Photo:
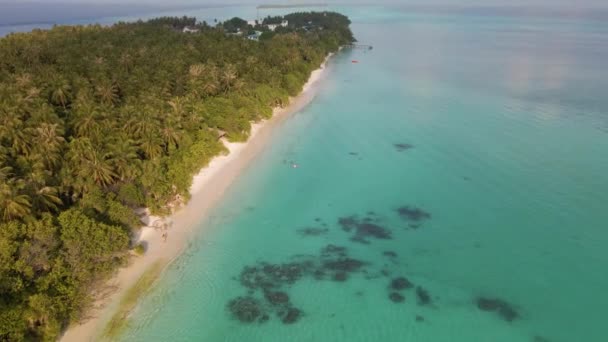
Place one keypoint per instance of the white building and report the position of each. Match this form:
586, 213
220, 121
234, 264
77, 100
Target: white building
273, 27
189, 29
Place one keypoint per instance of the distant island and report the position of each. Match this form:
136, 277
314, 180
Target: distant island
97, 122
315, 4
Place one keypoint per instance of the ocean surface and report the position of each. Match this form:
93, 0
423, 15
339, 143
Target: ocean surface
452, 186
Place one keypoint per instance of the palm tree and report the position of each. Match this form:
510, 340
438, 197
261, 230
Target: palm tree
23, 81
197, 70
46, 198
210, 87
170, 134
60, 93
229, 75
89, 163
108, 93
124, 158
151, 145
49, 141
5, 172
99, 168
13, 204
86, 120
13, 129
239, 85
178, 109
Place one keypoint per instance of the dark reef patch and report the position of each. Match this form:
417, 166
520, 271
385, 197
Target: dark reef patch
363, 229
400, 147
344, 265
423, 295
340, 276
276, 297
390, 254
312, 231
333, 250
270, 280
396, 297
319, 274
503, 308
401, 283
246, 309
413, 214
291, 315
267, 276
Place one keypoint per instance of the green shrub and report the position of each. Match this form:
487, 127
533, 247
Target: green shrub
139, 249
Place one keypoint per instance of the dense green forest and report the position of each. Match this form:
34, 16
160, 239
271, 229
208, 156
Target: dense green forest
97, 121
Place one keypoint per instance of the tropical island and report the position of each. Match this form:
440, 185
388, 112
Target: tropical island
97, 122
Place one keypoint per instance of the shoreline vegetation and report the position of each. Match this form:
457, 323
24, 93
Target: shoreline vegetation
110, 316
98, 122
119, 320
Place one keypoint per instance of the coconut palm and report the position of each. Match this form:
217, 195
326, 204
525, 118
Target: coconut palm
46, 198
60, 93
99, 168
228, 76
86, 120
49, 142
151, 145
123, 158
16, 133
13, 203
88, 162
108, 93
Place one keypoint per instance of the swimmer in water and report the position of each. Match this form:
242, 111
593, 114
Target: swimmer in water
294, 165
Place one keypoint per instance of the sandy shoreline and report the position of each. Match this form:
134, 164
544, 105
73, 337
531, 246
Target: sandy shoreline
207, 189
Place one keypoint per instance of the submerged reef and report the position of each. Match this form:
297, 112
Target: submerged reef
501, 307
401, 283
272, 280
413, 214
390, 254
267, 284
423, 295
396, 297
400, 147
246, 309
312, 231
364, 229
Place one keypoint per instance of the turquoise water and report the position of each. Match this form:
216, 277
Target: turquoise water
494, 127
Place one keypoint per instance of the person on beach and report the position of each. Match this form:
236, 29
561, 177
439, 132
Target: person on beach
164, 236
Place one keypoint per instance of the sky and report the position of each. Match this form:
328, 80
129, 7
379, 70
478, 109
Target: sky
550, 3
15, 12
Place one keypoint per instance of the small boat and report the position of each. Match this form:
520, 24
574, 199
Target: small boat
355, 61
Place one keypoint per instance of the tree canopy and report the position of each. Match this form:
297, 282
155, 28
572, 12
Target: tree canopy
97, 121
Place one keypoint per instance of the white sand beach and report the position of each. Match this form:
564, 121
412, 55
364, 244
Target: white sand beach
208, 186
